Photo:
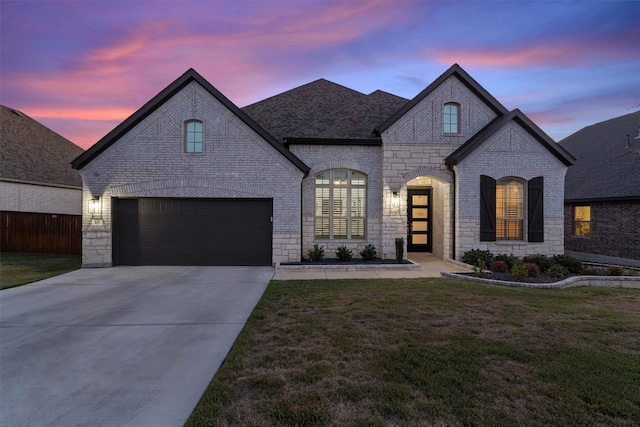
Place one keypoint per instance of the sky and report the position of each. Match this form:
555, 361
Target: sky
82, 67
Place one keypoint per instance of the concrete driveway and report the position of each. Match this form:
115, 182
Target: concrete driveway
124, 346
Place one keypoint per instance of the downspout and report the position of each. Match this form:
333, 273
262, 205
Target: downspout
453, 214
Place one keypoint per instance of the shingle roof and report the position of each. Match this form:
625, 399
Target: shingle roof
324, 110
162, 97
29, 151
606, 168
493, 126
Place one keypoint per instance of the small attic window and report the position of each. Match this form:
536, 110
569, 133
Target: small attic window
193, 136
451, 118
16, 112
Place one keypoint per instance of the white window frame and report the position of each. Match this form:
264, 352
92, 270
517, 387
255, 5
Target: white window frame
197, 142
340, 205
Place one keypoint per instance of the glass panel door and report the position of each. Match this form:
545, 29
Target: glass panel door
419, 221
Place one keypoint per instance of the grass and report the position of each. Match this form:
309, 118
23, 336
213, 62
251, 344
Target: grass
430, 352
21, 268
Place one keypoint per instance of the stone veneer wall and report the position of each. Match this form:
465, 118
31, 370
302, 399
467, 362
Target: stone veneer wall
511, 152
615, 229
416, 146
365, 159
149, 161
23, 197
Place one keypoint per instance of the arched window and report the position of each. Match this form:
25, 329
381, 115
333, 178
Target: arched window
193, 136
451, 118
509, 209
340, 204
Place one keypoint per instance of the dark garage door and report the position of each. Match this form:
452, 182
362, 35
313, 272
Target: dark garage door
154, 231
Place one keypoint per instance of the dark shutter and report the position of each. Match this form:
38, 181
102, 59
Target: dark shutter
487, 209
536, 210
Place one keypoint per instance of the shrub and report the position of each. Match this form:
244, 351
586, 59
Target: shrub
614, 270
344, 254
499, 267
479, 268
590, 271
471, 257
519, 272
532, 269
542, 261
510, 260
368, 253
399, 249
574, 265
557, 271
316, 254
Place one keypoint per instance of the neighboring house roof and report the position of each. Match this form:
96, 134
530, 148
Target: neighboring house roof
456, 71
516, 115
324, 111
31, 152
608, 160
157, 101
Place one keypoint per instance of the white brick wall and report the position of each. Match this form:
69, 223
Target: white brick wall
22, 197
149, 162
365, 159
416, 146
511, 152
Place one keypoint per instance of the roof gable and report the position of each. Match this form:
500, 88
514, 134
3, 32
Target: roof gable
490, 129
454, 71
162, 97
29, 151
607, 165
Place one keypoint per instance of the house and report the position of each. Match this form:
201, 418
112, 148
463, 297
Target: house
602, 191
191, 179
40, 195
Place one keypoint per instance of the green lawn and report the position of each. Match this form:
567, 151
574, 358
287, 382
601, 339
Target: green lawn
431, 352
21, 268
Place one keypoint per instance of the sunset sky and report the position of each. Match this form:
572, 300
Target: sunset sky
82, 67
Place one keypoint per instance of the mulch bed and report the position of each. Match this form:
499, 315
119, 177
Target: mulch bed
359, 261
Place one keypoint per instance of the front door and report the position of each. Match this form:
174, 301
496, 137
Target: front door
419, 221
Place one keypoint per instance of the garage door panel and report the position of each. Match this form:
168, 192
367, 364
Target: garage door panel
193, 231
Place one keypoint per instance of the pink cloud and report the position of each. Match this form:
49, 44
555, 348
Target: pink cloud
107, 83
562, 52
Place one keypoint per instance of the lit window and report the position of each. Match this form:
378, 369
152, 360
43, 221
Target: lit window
193, 137
509, 209
582, 221
340, 204
451, 118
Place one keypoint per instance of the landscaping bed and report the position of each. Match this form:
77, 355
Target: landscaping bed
539, 269
356, 261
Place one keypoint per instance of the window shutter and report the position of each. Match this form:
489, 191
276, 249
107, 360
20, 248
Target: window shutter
487, 209
536, 210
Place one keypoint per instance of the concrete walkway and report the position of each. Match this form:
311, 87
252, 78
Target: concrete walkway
123, 346
427, 265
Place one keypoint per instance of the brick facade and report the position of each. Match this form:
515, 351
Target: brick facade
54, 199
239, 161
615, 229
149, 161
511, 152
365, 159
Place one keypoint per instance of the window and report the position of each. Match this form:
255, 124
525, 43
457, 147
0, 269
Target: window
582, 221
340, 204
193, 137
451, 118
502, 209
509, 209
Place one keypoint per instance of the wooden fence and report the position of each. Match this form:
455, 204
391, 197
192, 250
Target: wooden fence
39, 232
